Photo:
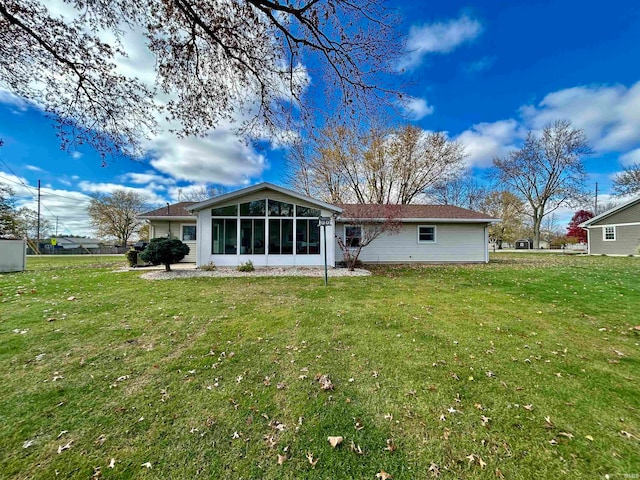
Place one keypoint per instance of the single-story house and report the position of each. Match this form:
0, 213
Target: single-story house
275, 226
174, 221
616, 231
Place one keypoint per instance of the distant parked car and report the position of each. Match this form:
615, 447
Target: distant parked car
139, 246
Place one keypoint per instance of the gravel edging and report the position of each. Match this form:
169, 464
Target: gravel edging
258, 272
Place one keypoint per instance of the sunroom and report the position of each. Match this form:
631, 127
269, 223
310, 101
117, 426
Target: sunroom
265, 224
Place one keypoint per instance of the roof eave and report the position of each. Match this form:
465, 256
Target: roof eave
166, 217
608, 213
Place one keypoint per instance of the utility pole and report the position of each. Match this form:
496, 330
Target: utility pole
595, 208
38, 225
57, 226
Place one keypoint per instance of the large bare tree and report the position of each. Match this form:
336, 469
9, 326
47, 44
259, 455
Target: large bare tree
627, 182
379, 165
547, 172
216, 60
462, 191
114, 215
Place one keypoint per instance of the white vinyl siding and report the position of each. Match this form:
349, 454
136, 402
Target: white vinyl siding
174, 229
457, 242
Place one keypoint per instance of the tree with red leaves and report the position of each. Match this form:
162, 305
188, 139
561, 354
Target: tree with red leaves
573, 230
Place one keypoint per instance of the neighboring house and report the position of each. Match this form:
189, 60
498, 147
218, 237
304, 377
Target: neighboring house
616, 231
275, 226
174, 221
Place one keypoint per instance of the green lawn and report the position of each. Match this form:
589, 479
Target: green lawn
527, 367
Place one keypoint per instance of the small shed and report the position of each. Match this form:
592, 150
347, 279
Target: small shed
523, 244
13, 255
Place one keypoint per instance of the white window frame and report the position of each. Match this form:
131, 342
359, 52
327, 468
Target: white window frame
435, 234
344, 236
604, 234
182, 231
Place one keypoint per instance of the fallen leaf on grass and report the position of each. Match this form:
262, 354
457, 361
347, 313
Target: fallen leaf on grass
311, 460
281, 459
589, 437
528, 407
67, 446
618, 353
548, 423
473, 457
62, 433
627, 434
335, 441
325, 382
485, 420
434, 470
146, 464
567, 435
358, 426
553, 442
356, 448
391, 446
28, 443
382, 475
112, 463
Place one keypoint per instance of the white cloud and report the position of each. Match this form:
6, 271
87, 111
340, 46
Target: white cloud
438, 37
147, 178
218, 158
416, 108
631, 157
66, 208
9, 98
609, 115
148, 193
485, 141
33, 168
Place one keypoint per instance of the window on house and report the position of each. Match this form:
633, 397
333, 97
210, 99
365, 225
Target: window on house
281, 236
224, 236
426, 234
257, 208
307, 212
188, 233
352, 235
280, 209
609, 234
307, 237
228, 211
252, 236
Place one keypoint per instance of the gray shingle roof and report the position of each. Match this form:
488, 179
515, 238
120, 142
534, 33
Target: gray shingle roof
175, 210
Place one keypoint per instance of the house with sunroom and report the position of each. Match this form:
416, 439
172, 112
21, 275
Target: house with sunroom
274, 226
616, 231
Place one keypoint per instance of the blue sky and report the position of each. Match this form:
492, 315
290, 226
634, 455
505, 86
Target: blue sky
484, 72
